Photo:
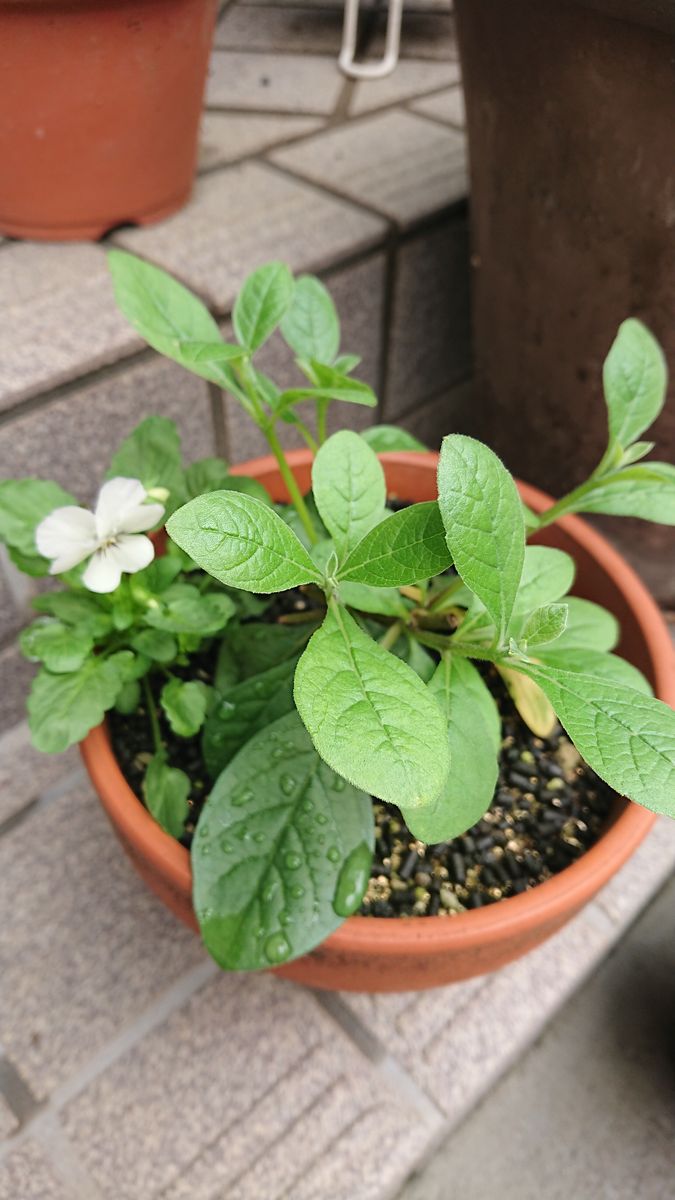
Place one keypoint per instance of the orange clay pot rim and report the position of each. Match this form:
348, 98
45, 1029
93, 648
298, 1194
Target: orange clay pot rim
568, 889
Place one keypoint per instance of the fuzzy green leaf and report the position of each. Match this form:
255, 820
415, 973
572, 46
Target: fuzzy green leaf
311, 326
282, 851
128, 697
331, 385
156, 644
385, 601
384, 438
60, 647
166, 790
244, 709
646, 491
349, 488
626, 737
484, 524
23, 504
474, 735
185, 704
82, 610
261, 303
405, 548
634, 378
152, 454
257, 647
182, 608
242, 542
370, 716
548, 574
588, 625
544, 625
63, 708
595, 662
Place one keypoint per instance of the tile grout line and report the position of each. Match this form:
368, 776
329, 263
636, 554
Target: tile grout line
63, 1157
45, 799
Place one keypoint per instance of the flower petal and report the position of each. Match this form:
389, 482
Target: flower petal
120, 508
67, 535
132, 552
103, 574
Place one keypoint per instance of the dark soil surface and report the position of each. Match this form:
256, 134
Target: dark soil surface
548, 809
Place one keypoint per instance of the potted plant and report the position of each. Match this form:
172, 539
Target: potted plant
100, 114
378, 695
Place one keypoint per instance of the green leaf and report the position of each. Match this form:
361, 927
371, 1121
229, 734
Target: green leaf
247, 707
410, 651
311, 326
165, 791
544, 625
635, 452
626, 737
282, 851
129, 666
242, 542
248, 487
289, 514
128, 697
207, 359
205, 475
23, 504
370, 716
156, 644
155, 579
484, 524
548, 575
646, 491
184, 704
330, 385
634, 378
385, 601
261, 303
184, 609
346, 363
474, 736
63, 708
533, 706
595, 662
405, 548
59, 647
384, 438
152, 454
588, 625
349, 488
258, 646
79, 609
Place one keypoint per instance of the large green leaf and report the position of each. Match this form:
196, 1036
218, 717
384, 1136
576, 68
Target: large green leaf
626, 737
185, 703
152, 454
646, 490
594, 662
405, 548
484, 524
23, 504
349, 488
261, 303
383, 438
182, 608
474, 735
245, 708
634, 377
165, 791
242, 542
83, 610
60, 647
388, 602
63, 708
256, 646
156, 644
548, 574
588, 625
311, 326
282, 851
370, 716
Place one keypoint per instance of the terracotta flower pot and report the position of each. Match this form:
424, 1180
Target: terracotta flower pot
371, 954
100, 111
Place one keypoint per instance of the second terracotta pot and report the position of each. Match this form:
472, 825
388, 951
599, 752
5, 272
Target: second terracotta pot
382, 955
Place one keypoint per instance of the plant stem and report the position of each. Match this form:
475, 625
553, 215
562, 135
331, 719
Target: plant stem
391, 636
289, 479
321, 415
439, 600
152, 713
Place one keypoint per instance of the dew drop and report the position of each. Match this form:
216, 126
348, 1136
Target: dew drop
285, 918
289, 747
277, 948
333, 854
226, 845
243, 797
352, 880
202, 830
297, 891
259, 687
287, 784
307, 805
268, 894
292, 861
339, 784
321, 819
259, 837
278, 753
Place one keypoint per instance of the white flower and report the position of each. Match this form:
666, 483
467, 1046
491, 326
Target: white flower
111, 535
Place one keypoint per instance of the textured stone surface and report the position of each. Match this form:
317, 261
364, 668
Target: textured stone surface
317, 31
88, 947
8, 1122
276, 83
226, 137
402, 165
267, 1084
60, 299
26, 1175
445, 413
226, 230
9, 612
648, 869
411, 78
73, 438
444, 106
25, 773
16, 674
430, 331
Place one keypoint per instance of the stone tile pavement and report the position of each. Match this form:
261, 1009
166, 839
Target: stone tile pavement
131, 1069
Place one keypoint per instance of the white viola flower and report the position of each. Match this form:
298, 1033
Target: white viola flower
112, 537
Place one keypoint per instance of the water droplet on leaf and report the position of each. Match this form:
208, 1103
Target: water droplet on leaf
297, 891
287, 784
243, 797
333, 854
292, 861
277, 948
339, 784
352, 881
226, 845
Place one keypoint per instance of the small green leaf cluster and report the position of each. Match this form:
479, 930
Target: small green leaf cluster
375, 681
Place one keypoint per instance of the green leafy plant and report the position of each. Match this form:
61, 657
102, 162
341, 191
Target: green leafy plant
329, 650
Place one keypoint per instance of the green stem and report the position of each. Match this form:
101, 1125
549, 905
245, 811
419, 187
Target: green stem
290, 481
390, 638
152, 713
321, 417
567, 504
306, 434
439, 600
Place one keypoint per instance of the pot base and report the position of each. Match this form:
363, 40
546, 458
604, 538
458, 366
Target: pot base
92, 231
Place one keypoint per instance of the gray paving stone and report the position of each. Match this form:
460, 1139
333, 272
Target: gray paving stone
412, 77
446, 413
243, 216
8, 1122
267, 1083
402, 165
25, 1174
430, 330
282, 29
16, 674
444, 106
88, 948
26, 774
57, 298
73, 438
10, 616
423, 35
226, 137
358, 293
295, 83
650, 866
